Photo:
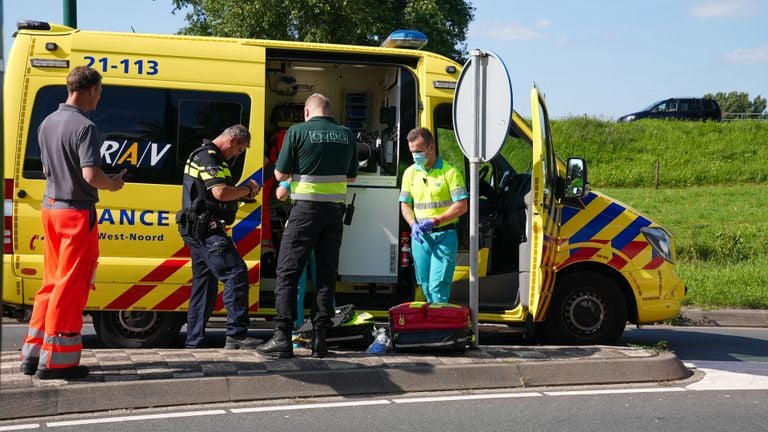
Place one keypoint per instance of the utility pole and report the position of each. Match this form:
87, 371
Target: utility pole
70, 13
2, 141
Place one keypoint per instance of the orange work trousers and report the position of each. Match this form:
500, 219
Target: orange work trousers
71, 249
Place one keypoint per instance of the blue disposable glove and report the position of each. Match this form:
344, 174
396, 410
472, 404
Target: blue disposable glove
427, 226
416, 232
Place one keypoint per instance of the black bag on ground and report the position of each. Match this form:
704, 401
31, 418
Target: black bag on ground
350, 329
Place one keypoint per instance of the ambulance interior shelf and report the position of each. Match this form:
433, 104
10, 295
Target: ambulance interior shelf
374, 149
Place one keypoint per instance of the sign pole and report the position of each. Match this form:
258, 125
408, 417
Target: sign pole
481, 133
474, 206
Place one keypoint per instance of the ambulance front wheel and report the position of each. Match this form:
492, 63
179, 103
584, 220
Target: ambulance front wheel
138, 329
587, 309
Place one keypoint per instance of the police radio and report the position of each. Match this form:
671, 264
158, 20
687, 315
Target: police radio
350, 211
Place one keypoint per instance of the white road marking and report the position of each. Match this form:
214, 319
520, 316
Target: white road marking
730, 375
466, 397
311, 406
614, 391
20, 427
136, 418
718, 375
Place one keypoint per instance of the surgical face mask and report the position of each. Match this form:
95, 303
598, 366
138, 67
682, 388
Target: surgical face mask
419, 158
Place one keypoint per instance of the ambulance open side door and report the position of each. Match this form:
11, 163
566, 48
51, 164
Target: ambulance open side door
542, 212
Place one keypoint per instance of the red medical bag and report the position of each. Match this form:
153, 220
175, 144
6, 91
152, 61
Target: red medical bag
421, 326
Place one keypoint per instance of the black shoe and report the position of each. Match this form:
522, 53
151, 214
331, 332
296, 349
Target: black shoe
201, 346
244, 343
280, 346
29, 368
319, 347
73, 372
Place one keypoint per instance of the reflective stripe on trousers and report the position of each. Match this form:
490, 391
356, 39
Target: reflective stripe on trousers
71, 250
33, 341
61, 351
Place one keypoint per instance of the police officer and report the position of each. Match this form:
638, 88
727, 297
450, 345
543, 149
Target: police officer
209, 203
432, 197
319, 157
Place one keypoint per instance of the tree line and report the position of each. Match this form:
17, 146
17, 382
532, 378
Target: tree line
363, 22
352, 22
738, 102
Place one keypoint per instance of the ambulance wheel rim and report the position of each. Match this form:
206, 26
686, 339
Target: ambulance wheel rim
137, 323
585, 312
587, 308
138, 329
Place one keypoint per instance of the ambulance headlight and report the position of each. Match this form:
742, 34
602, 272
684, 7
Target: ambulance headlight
660, 241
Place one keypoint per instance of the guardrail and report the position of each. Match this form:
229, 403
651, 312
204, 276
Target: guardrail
744, 116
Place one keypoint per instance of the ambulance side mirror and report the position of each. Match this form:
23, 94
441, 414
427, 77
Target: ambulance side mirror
576, 178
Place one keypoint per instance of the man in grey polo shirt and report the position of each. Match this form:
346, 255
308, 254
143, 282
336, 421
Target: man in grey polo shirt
69, 150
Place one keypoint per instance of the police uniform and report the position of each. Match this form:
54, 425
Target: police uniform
320, 156
431, 191
214, 256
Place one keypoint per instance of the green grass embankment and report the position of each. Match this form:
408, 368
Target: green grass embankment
721, 236
688, 153
712, 194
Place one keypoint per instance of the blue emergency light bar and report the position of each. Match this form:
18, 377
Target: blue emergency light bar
410, 39
32, 25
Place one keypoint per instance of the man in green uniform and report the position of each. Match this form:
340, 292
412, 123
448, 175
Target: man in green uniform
319, 158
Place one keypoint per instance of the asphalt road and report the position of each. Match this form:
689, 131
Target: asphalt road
704, 343
733, 395
636, 409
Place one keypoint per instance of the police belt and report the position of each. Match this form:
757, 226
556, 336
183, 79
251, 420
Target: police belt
198, 226
319, 204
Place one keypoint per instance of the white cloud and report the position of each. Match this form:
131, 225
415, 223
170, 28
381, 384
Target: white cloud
724, 9
504, 32
543, 23
749, 55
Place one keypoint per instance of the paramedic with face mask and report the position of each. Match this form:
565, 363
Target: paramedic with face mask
432, 197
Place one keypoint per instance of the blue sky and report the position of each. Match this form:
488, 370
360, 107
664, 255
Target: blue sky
602, 58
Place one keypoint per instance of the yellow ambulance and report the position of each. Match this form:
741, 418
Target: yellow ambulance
555, 255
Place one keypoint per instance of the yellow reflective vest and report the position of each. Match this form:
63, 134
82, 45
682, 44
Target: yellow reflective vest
432, 191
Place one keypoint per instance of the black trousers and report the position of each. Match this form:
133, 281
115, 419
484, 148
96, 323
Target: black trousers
311, 226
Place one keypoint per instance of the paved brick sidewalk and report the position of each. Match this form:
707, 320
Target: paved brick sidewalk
123, 379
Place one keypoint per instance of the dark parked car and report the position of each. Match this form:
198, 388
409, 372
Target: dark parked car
679, 109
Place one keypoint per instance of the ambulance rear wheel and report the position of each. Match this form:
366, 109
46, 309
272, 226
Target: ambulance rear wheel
138, 329
587, 309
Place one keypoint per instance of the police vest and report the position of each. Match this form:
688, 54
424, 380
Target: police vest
199, 196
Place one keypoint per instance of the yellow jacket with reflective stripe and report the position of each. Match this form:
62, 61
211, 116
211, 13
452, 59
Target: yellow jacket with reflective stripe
432, 191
